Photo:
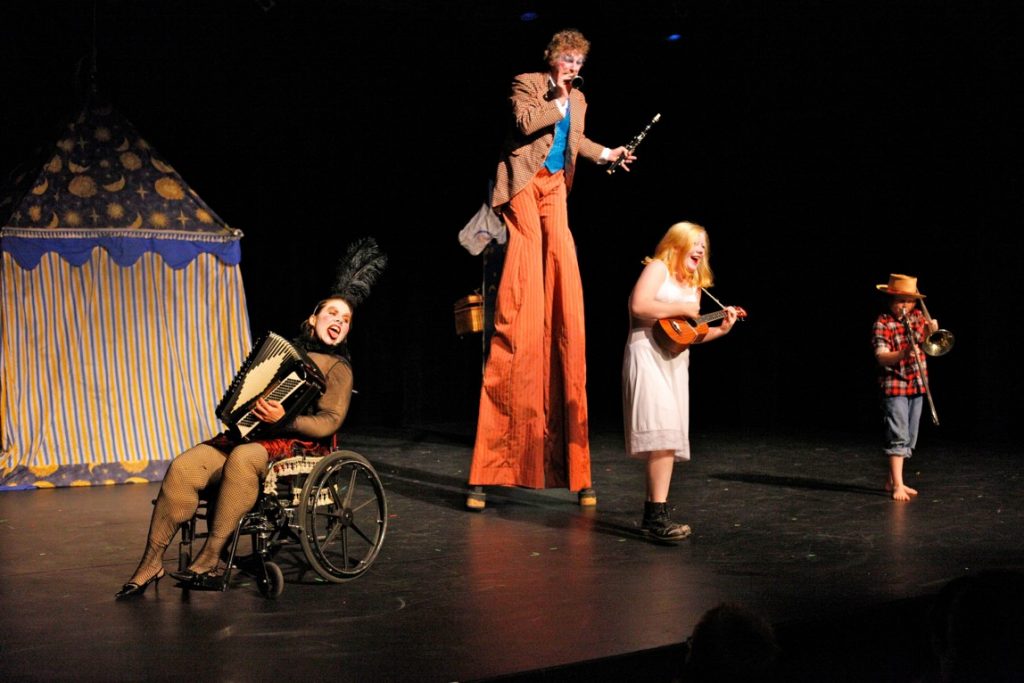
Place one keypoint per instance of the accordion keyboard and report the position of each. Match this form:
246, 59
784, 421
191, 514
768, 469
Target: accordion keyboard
277, 371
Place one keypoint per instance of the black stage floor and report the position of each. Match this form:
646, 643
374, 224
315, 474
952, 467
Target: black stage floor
533, 588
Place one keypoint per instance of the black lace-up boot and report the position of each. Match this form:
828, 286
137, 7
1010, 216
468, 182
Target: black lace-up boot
658, 527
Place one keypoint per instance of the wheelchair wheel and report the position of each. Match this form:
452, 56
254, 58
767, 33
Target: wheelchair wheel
342, 516
273, 585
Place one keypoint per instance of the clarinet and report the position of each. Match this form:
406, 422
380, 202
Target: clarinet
612, 167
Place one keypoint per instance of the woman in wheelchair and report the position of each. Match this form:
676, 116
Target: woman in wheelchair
237, 468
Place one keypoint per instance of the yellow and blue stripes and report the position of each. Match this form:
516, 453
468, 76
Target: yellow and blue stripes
110, 371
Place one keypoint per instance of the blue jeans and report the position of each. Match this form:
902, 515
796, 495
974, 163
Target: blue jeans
902, 415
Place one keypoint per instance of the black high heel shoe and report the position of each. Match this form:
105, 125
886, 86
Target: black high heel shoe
134, 590
183, 575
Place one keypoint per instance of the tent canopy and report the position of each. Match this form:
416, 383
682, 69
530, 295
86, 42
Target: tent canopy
102, 184
123, 310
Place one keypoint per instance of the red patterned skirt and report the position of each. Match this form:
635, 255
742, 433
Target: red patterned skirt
278, 449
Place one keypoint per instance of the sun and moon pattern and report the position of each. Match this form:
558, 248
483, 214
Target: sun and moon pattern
103, 177
101, 474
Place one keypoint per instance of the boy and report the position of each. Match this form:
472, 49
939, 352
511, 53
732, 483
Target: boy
903, 374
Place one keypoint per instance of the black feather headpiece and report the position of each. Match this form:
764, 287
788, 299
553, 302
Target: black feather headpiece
358, 270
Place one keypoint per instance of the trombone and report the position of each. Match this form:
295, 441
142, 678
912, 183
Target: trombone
905, 319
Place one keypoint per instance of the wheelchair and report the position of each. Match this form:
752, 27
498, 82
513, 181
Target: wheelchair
332, 507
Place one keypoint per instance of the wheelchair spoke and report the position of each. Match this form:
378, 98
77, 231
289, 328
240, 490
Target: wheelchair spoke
330, 515
335, 491
368, 501
351, 487
359, 531
332, 533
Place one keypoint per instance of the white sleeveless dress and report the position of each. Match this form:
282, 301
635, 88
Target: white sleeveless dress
656, 386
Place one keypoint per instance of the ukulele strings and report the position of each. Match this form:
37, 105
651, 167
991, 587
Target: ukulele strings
720, 304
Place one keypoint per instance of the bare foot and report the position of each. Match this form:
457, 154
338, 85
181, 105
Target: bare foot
911, 491
902, 493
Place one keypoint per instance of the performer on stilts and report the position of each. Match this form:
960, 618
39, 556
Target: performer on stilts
532, 428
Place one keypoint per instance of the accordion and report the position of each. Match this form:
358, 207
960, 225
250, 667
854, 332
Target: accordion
275, 369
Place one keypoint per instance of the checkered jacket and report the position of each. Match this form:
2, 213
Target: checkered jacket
533, 133
890, 334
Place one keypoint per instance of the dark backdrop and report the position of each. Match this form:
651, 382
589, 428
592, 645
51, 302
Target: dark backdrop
823, 144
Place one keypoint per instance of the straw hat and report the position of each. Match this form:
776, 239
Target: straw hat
901, 285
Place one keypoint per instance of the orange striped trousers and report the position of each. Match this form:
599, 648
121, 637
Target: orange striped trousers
532, 429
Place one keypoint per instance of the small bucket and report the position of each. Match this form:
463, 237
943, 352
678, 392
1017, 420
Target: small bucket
469, 314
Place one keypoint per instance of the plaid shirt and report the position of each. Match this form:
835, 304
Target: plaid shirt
889, 334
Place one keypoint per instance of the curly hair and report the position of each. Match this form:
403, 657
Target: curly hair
568, 40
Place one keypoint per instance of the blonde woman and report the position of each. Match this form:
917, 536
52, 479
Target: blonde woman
655, 376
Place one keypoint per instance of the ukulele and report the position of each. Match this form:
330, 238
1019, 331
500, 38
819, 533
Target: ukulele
674, 335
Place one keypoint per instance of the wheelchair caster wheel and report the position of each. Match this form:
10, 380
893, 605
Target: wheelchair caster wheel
272, 585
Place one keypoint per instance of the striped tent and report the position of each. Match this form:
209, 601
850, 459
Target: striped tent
123, 311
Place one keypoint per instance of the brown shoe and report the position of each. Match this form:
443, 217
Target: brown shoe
476, 499
588, 498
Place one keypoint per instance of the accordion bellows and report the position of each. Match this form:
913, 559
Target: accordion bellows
275, 369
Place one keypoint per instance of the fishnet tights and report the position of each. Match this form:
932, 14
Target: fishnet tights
238, 475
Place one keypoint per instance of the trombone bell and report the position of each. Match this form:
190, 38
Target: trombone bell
938, 343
